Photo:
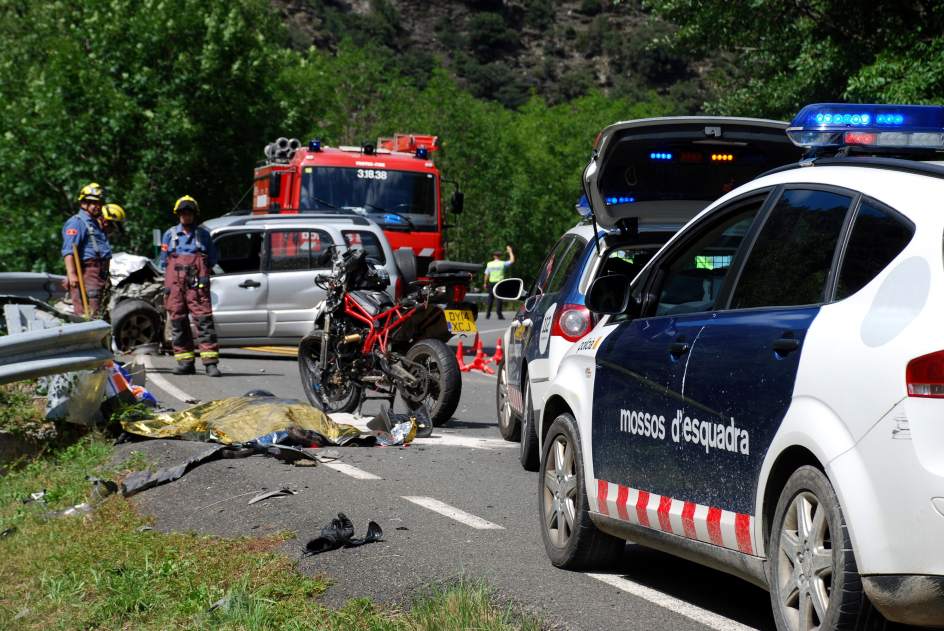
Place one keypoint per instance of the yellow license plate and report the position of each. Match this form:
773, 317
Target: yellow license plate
460, 321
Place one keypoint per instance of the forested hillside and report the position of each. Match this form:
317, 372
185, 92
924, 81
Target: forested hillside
158, 98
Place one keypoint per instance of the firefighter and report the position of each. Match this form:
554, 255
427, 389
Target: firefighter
113, 218
82, 234
187, 256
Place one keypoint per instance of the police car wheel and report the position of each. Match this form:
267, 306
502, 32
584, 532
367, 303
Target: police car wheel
571, 540
814, 580
528, 448
508, 425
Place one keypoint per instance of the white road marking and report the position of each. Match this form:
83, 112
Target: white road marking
455, 440
163, 384
352, 471
453, 513
690, 611
445, 439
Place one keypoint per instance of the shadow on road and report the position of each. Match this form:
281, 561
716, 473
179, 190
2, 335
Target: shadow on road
704, 587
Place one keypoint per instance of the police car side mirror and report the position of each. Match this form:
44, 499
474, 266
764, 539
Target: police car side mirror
509, 289
609, 294
458, 201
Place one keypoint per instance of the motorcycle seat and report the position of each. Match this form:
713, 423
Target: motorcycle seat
451, 267
373, 302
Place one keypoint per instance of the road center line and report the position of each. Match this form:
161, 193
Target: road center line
352, 471
453, 513
692, 612
163, 384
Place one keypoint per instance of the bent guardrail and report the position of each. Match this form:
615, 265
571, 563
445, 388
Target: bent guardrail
69, 347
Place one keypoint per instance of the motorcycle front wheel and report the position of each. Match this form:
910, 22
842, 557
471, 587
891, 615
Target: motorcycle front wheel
445, 384
325, 390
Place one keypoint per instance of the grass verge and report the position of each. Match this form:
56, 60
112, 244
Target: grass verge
106, 570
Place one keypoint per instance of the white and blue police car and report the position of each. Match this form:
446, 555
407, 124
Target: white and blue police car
767, 395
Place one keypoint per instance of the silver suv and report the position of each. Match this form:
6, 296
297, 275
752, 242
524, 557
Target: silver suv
263, 289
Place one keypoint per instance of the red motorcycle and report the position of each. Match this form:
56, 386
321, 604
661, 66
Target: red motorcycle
365, 342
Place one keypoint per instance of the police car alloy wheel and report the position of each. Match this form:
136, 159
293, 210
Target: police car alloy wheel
528, 449
814, 580
571, 540
508, 425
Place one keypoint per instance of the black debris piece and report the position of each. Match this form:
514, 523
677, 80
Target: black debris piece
143, 480
340, 534
279, 493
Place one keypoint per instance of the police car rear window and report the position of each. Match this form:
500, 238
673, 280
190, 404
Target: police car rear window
878, 235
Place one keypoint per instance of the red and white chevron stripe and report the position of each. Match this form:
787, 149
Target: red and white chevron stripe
687, 519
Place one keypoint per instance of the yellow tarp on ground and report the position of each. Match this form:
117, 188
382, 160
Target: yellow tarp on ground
240, 419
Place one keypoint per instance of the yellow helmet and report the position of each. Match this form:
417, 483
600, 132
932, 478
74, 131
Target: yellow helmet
92, 192
113, 212
186, 202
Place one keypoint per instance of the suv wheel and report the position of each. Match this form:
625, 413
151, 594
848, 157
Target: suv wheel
571, 540
528, 448
508, 425
814, 580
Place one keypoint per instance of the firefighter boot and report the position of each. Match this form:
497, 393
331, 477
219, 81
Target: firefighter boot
213, 370
185, 368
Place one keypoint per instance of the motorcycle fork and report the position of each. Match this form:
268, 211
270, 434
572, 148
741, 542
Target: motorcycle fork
325, 338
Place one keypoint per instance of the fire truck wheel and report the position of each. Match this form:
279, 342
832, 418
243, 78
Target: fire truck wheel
445, 384
135, 323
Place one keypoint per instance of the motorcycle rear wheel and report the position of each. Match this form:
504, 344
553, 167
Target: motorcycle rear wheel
445, 383
345, 397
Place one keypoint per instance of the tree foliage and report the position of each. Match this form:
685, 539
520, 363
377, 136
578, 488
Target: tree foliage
786, 53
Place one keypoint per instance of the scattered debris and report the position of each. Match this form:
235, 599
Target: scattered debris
6, 532
143, 480
79, 509
279, 493
38, 496
144, 529
340, 534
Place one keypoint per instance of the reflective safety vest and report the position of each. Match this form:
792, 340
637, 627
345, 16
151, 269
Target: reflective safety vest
495, 270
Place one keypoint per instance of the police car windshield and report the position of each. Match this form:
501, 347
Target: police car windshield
391, 198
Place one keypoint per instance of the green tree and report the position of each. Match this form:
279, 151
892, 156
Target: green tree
786, 53
151, 98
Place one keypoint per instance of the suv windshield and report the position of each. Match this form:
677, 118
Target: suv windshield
391, 198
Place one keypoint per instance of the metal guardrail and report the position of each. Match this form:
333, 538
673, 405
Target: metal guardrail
69, 347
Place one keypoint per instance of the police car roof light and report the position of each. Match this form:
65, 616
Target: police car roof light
835, 125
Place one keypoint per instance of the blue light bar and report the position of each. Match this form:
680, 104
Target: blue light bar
660, 155
879, 126
314, 144
621, 199
422, 153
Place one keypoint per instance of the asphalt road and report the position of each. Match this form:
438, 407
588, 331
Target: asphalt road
464, 467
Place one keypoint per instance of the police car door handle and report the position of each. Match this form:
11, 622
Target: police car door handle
677, 349
249, 283
786, 345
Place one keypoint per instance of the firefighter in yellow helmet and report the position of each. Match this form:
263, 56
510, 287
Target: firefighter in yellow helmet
187, 256
113, 218
82, 234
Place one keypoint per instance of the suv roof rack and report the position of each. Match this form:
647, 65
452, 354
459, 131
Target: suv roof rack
868, 162
324, 217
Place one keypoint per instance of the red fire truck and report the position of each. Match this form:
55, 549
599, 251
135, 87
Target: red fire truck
394, 183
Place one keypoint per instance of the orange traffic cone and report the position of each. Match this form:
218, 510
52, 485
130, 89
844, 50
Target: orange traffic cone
499, 355
460, 358
480, 361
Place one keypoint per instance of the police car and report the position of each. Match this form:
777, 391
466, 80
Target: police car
666, 170
765, 397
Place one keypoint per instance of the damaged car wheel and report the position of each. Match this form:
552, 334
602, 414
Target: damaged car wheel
135, 323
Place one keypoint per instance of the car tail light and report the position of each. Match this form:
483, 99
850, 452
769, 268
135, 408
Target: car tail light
925, 376
572, 322
458, 293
